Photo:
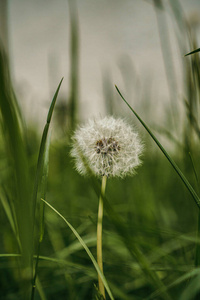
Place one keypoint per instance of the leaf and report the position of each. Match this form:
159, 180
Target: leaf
17, 158
42, 149
86, 249
176, 168
194, 51
41, 178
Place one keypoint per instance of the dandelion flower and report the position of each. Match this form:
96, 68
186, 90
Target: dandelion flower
108, 147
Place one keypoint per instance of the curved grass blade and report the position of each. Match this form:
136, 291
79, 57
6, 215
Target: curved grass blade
42, 168
4, 255
42, 149
176, 168
16, 157
86, 249
194, 51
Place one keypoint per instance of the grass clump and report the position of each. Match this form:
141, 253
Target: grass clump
151, 228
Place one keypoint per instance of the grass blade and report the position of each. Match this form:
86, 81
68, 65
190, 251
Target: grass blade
176, 168
42, 149
42, 206
16, 157
86, 249
194, 51
42, 168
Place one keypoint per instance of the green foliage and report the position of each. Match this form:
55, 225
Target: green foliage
150, 244
16, 185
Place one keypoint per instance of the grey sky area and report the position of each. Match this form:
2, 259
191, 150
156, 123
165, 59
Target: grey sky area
119, 41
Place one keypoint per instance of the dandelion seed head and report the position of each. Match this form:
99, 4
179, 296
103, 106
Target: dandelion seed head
107, 147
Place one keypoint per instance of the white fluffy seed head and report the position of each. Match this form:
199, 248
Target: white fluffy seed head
107, 147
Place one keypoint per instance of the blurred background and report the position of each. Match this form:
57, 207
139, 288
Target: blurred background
150, 249
117, 43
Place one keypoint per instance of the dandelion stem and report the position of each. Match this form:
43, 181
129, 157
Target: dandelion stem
99, 234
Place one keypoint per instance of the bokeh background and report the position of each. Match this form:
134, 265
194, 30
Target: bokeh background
117, 42
150, 245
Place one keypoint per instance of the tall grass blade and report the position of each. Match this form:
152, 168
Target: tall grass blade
86, 249
40, 162
41, 169
176, 168
42, 207
192, 52
19, 177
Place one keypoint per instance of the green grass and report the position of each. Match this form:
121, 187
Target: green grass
151, 226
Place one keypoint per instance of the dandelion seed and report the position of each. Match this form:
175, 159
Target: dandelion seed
108, 147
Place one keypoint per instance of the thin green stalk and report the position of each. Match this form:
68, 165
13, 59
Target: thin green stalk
42, 209
17, 160
41, 170
41, 152
99, 234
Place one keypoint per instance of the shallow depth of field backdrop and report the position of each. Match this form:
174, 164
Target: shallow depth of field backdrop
150, 227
